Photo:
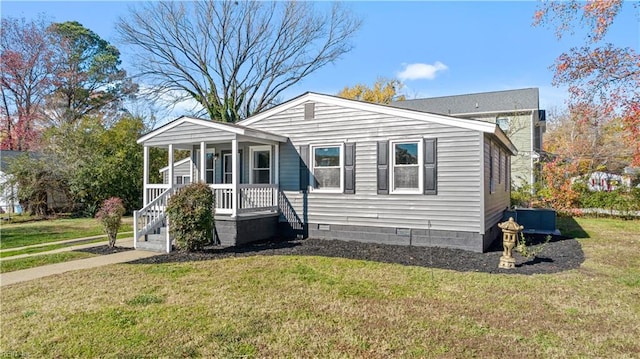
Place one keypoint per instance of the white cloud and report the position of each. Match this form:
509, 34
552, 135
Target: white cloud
421, 71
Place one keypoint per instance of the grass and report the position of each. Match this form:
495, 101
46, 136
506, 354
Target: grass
36, 261
295, 306
50, 247
29, 233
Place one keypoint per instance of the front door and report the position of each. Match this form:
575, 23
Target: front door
227, 166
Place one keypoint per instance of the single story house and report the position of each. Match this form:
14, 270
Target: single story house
326, 167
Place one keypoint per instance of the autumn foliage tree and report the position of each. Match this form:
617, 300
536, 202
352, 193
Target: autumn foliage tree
600, 75
26, 69
584, 136
383, 91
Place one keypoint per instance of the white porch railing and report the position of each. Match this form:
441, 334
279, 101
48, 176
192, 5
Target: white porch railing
253, 197
257, 197
154, 191
223, 197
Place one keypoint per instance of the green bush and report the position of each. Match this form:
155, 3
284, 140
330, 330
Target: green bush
622, 200
190, 213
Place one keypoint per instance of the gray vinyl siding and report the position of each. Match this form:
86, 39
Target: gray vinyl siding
181, 170
457, 205
520, 133
289, 172
189, 133
498, 201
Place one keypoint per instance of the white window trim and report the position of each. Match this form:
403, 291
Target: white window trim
253, 149
392, 164
182, 178
312, 149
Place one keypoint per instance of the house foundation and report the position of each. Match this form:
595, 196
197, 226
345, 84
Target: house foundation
245, 228
475, 242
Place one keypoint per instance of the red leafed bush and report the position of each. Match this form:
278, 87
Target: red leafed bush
110, 215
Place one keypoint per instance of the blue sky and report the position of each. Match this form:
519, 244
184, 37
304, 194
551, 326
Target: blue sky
436, 48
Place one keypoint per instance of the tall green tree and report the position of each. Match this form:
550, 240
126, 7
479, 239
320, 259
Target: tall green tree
88, 78
234, 58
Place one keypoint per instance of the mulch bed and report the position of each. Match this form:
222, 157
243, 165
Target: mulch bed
104, 249
560, 254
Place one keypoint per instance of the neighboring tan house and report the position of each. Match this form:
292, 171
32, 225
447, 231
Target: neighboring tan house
326, 167
517, 112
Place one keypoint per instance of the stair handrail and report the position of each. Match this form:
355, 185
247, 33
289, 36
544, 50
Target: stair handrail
144, 211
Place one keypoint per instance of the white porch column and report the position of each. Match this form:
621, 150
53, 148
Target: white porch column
276, 163
170, 155
203, 162
234, 177
192, 161
145, 176
276, 175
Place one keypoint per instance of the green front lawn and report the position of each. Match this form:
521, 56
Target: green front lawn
37, 261
295, 306
50, 247
23, 234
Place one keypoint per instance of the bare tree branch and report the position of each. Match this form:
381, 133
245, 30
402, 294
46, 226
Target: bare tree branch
234, 58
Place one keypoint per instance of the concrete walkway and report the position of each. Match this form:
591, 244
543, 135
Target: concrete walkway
66, 241
57, 268
123, 242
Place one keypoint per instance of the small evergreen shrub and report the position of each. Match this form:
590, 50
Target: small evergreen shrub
190, 213
110, 216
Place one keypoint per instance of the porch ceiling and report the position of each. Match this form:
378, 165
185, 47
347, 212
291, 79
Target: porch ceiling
186, 131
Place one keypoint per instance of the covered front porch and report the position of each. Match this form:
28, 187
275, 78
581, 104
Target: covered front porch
239, 164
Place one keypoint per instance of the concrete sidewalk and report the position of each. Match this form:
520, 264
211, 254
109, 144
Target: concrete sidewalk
124, 242
66, 241
51, 269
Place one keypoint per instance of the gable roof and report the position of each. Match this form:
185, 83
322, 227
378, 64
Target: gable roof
471, 124
496, 101
230, 128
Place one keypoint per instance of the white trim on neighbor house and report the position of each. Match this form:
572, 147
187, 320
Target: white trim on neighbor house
312, 168
470, 124
392, 166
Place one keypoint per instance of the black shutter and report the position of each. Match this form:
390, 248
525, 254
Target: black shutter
350, 168
430, 166
304, 169
383, 167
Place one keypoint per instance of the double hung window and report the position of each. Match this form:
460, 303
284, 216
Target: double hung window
261, 164
406, 162
327, 167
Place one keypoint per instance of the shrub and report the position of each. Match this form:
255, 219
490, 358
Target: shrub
110, 215
190, 213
